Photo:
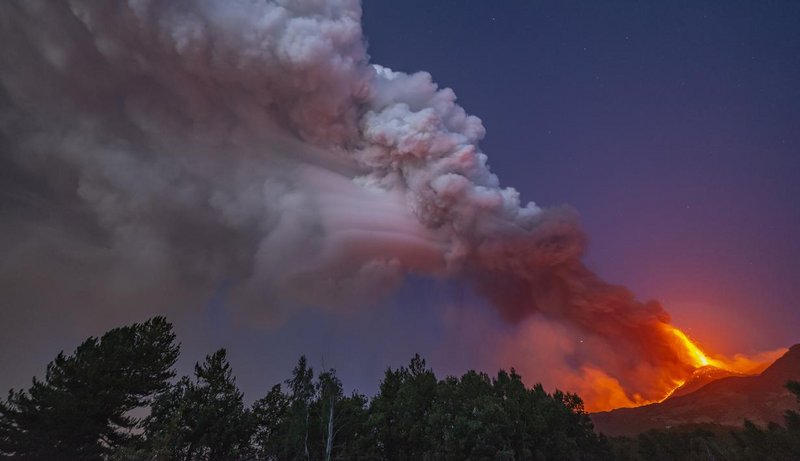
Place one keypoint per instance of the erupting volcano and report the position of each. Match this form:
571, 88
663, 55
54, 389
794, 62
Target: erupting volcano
708, 368
691, 369
253, 145
681, 366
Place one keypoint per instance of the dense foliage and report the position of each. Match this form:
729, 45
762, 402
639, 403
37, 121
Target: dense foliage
84, 409
81, 410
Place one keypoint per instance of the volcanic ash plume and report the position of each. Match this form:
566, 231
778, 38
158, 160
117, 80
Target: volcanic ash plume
165, 147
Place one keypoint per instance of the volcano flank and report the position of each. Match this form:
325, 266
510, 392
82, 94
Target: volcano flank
715, 396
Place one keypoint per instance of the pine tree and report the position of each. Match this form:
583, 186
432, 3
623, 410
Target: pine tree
271, 420
399, 413
81, 410
204, 419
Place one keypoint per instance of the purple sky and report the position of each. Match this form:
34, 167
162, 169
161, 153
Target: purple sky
673, 130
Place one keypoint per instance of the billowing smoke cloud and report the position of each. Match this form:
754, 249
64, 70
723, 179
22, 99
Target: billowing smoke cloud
153, 150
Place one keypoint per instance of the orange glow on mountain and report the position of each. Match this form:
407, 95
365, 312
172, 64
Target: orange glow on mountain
602, 391
646, 364
698, 358
739, 363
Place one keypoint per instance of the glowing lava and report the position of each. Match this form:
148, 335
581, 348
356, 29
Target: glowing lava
739, 364
601, 389
697, 356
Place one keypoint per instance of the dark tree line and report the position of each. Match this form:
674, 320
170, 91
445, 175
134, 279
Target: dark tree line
117, 398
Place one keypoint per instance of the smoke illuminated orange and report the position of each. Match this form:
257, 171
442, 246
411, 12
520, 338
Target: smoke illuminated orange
739, 364
602, 391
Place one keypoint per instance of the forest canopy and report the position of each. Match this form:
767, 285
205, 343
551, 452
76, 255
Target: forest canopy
85, 407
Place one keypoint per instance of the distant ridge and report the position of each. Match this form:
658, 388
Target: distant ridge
725, 400
701, 377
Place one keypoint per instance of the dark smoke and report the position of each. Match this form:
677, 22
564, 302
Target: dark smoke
152, 150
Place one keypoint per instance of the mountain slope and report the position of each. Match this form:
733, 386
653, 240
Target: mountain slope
728, 401
700, 378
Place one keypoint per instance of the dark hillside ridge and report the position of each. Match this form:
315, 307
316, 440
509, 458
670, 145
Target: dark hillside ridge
726, 401
700, 378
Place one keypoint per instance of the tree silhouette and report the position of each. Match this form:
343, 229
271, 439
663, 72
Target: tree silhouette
81, 410
204, 419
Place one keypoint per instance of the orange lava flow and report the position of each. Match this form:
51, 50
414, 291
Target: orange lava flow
602, 390
698, 359
692, 351
739, 363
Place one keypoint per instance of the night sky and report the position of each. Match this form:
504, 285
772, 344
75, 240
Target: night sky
672, 127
